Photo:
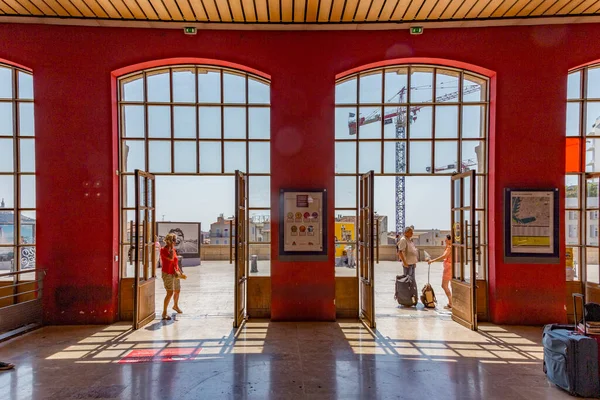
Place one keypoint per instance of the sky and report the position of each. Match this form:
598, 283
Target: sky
204, 198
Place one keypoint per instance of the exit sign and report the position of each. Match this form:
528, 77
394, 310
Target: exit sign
189, 30
416, 30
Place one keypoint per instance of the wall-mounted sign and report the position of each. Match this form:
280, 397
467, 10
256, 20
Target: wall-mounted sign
531, 231
303, 224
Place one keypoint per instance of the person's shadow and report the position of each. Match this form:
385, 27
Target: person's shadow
162, 322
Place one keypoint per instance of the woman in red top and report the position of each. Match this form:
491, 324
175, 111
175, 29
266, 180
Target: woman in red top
447, 275
170, 272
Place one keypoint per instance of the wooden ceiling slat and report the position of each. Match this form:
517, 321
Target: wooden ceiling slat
349, 10
249, 13
439, 8
122, 8
570, 7
262, 11
362, 9
136, 10
31, 8
58, 9
236, 10
388, 9
336, 11
173, 9
43, 7
413, 9
186, 10
71, 9
299, 9
557, 8
529, 7
325, 10
593, 9
518, 6
211, 10
466, 8
147, 8
287, 10
6, 9
583, 6
451, 10
108, 7
18, 7
312, 8
375, 10
503, 8
96, 9
83, 7
490, 8
543, 7
425, 10
274, 11
160, 9
224, 11
198, 10
400, 10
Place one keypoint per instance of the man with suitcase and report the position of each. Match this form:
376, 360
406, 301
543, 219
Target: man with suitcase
407, 251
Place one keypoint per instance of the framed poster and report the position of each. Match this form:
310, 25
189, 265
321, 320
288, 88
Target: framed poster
303, 225
188, 238
531, 225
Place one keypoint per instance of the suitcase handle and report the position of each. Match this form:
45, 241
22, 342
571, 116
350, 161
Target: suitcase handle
575, 296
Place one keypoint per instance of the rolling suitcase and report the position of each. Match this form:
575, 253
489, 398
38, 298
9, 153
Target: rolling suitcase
406, 290
427, 294
590, 324
571, 360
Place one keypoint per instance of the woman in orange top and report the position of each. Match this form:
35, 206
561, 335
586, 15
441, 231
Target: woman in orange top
170, 274
447, 274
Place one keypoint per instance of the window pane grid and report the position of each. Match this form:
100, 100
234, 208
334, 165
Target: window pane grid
362, 120
166, 129
17, 176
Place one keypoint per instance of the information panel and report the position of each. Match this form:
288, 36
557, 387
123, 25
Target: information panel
531, 223
303, 222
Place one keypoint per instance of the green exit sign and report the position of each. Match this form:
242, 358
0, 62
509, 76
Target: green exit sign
416, 30
189, 30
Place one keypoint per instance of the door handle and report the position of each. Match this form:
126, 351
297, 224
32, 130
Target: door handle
377, 241
230, 243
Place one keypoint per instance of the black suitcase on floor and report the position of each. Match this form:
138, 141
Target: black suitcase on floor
571, 360
406, 290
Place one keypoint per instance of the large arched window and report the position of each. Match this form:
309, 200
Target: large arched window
414, 126
191, 126
583, 139
17, 170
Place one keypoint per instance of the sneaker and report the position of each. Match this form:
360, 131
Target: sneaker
6, 366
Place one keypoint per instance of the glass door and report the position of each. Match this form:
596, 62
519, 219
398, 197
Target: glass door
464, 248
590, 273
240, 250
366, 242
143, 240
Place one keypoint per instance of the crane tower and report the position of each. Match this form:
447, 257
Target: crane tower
402, 119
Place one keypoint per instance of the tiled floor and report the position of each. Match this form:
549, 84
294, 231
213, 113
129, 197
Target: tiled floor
413, 354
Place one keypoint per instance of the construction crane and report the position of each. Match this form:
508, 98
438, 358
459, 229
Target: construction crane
401, 121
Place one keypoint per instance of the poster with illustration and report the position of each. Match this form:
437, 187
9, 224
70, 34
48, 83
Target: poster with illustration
303, 222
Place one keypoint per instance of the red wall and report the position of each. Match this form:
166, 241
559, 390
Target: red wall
77, 235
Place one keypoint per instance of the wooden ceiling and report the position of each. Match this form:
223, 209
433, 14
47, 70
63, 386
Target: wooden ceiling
276, 12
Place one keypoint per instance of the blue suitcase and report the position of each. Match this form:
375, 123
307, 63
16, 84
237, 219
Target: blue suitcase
571, 360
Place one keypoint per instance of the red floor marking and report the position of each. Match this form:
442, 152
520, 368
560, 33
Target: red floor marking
160, 355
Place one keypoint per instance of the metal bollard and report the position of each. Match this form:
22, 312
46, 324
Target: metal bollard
253, 263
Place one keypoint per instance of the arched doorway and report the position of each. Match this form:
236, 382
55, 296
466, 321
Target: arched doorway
413, 125
192, 126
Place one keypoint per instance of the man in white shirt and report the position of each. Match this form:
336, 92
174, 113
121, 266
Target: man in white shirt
407, 251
